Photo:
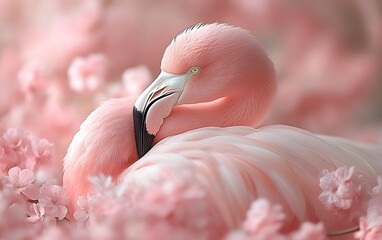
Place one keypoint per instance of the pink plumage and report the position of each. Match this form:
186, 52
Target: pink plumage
218, 82
239, 164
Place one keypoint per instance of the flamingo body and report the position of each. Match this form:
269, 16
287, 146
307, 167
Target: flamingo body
200, 113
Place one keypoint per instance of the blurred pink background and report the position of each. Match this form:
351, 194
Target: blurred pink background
59, 59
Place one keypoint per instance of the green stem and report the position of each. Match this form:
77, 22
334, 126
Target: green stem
343, 232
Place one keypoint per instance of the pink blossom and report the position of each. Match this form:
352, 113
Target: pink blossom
32, 192
173, 200
9, 197
62, 232
54, 199
310, 231
15, 138
81, 215
371, 224
161, 201
262, 216
370, 229
101, 182
242, 235
342, 190
184, 214
42, 150
36, 212
31, 77
87, 74
12, 220
136, 79
263, 222
22, 149
105, 186
19, 180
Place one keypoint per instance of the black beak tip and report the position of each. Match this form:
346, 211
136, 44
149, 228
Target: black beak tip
143, 139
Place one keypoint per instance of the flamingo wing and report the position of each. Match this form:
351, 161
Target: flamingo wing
237, 165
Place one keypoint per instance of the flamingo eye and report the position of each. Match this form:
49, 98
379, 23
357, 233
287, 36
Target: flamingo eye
195, 70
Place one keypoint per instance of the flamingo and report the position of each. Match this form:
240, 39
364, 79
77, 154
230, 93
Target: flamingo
197, 120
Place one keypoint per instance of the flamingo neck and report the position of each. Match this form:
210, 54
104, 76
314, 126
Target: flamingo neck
246, 106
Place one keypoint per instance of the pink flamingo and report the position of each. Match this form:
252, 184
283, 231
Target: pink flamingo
217, 82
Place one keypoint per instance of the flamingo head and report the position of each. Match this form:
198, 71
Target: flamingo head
203, 63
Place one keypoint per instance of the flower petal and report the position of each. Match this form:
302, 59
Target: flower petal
61, 212
31, 192
26, 176
14, 173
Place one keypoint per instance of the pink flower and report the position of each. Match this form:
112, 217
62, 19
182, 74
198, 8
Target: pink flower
310, 231
87, 74
36, 212
81, 215
20, 148
104, 185
370, 229
136, 79
31, 77
162, 201
371, 224
169, 210
263, 222
173, 201
19, 180
101, 182
15, 138
12, 216
42, 149
263, 217
343, 190
32, 192
54, 200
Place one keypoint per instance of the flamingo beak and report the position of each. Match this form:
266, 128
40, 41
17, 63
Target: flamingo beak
153, 106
